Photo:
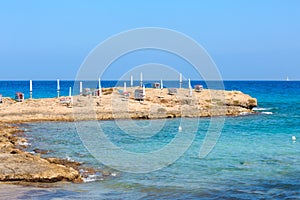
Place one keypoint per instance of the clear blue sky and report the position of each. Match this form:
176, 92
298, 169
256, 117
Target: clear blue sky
247, 39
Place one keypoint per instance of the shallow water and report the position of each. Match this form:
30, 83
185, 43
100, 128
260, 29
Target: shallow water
250, 160
255, 156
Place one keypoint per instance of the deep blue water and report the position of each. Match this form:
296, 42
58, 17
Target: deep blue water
255, 157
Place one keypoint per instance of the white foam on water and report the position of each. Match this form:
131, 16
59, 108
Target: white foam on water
261, 109
69, 158
92, 178
267, 113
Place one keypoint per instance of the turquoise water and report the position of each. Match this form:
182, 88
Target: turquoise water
255, 157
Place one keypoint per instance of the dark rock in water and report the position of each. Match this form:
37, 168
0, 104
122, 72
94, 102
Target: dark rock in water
42, 151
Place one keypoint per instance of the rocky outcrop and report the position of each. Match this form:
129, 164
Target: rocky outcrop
237, 98
113, 105
26, 167
17, 165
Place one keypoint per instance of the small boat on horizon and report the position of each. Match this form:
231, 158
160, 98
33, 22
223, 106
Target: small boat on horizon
287, 78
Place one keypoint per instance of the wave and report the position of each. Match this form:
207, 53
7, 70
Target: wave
261, 109
92, 178
98, 176
267, 113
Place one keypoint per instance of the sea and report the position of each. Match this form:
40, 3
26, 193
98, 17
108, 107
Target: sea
256, 156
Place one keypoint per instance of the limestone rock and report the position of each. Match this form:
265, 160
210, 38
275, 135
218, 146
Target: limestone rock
26, 167
113, 105
17, 165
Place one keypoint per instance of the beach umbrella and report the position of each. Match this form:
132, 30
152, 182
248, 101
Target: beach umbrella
190, 87
144, 91
30, 85
124, 87
191, 91
70, 91
180, 80
80, 87
141, 78
30, 88
100, 88
58, 87
161, 84
131, 81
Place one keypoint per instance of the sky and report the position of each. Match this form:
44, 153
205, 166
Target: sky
247, 40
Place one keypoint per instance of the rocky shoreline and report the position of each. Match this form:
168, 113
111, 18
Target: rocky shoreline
17, 165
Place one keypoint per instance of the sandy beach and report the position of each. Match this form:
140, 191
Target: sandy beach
18, 165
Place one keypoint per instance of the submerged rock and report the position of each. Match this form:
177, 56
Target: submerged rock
42, 151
